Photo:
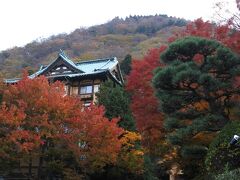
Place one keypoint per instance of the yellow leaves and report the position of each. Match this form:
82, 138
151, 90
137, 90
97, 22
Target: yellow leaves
138, 153
131, 156
129, 138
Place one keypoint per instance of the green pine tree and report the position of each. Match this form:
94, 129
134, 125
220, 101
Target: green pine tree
196, 91
116, 101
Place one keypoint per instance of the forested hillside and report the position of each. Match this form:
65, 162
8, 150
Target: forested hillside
133, 35
176, 117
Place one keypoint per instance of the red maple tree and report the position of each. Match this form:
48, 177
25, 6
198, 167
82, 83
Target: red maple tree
144, 104
222, 33
34, 114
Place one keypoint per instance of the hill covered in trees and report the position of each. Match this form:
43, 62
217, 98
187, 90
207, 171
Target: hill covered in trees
133, 35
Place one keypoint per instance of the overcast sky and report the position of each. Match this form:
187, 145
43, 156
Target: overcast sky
23, 21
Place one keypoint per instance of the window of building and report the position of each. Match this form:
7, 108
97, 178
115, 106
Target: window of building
86, 89
96, 88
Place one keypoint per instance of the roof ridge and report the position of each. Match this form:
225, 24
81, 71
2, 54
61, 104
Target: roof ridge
94, 60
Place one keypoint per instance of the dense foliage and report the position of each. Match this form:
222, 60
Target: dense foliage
197, 88
37, 121
116, 102
233, 175
126, 65
220, 154
197, 84
223, 33
144, 104
196, 91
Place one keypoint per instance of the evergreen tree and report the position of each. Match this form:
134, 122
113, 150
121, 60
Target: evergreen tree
196, 91
220, 155
126, 64
116, 102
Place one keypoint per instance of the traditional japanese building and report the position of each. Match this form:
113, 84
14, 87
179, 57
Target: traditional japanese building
81, 79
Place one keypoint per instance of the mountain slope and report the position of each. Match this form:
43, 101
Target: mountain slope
119, 37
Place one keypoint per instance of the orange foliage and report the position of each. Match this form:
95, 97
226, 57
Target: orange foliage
96, 136
34, 113
201, 105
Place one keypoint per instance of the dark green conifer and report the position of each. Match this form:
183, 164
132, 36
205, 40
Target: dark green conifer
196, 90
126, 64
116, 101
201, 90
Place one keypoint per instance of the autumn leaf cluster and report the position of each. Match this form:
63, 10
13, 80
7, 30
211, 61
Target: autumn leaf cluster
36, 116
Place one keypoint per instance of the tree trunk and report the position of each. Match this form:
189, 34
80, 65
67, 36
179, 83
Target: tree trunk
40, 163
30, 165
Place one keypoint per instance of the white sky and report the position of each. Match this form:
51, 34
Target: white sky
23, 21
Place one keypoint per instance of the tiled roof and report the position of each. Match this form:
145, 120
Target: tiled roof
64, 58
88, 67
91, 66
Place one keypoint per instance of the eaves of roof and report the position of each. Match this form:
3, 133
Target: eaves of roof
84, 68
